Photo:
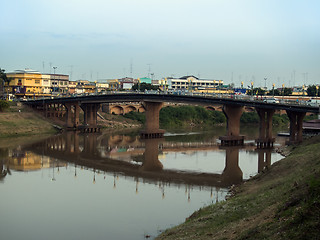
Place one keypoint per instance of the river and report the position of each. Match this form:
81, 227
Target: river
116, 185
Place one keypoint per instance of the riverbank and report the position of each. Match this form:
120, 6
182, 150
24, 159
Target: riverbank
281, 203
20, 121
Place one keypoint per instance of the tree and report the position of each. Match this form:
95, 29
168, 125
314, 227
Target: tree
144, 86
3, 80
312, 91
287, 91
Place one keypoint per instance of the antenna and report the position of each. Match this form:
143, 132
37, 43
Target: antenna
71, 70
149, 64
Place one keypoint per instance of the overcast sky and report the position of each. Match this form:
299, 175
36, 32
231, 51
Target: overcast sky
232, 40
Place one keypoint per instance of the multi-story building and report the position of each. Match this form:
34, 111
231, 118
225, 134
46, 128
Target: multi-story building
24, 83
102, 87
59, 83
31, 83
192, 83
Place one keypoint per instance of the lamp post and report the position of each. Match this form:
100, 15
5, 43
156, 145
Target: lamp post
252, 88
273, 89
54, 75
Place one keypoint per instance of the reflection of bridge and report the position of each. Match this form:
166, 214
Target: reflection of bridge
232, 108
89, 150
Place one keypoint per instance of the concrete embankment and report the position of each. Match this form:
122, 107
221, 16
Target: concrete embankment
280, 203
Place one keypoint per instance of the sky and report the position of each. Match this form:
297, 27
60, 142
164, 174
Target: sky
231, 40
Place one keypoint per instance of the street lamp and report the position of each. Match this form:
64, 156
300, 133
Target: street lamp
265, 83
273, 89
252, 88
54, 75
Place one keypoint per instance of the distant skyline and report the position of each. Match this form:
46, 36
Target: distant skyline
232, 40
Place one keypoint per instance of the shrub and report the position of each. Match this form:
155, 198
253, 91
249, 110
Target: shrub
3, 105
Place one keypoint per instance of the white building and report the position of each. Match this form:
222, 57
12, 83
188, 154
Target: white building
192, 83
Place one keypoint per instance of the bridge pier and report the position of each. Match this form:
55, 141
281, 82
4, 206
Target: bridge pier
152, 129
90, 117
233, 114
296, 121
72, 115
265, 139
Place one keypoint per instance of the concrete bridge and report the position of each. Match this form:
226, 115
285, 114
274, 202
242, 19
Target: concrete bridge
232, 108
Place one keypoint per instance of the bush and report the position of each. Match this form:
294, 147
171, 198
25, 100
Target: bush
140, 117
3, 105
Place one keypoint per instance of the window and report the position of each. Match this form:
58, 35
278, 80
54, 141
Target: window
37, 81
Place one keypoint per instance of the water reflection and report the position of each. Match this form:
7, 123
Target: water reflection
119, 178
133, 157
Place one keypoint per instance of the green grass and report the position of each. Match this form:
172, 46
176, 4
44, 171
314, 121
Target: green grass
281, 203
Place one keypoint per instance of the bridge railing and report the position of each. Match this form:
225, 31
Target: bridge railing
280, 99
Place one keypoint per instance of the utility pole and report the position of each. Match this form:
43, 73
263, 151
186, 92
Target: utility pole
54, 77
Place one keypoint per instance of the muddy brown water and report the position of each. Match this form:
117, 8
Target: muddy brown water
118, 186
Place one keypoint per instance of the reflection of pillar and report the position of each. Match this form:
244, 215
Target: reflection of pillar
232, 174
233, 114
89, 144
264, 159
151, 161
296, 120
76, 143
68, 146
152, 120
265, 134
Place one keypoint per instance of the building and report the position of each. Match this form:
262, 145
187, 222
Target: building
30, 83
59, 84
192, 83
24, 83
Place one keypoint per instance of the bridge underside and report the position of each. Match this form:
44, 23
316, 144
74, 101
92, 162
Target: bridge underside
68, 110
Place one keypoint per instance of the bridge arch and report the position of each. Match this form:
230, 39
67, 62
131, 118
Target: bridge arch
210, 108
141, 109
117, 110
130, 108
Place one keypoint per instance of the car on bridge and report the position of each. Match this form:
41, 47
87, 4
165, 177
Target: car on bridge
313, 102
271, 100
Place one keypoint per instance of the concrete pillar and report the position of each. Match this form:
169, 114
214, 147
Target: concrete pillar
152, 120
90, 113
76, 120
296, 121
265, 128
69, 123
233, 114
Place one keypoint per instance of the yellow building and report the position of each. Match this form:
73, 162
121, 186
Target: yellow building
29, 83
25, 83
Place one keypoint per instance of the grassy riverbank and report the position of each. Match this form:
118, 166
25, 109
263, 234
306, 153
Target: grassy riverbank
281, 203
20, 121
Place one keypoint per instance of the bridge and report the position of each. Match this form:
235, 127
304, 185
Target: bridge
232, 108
